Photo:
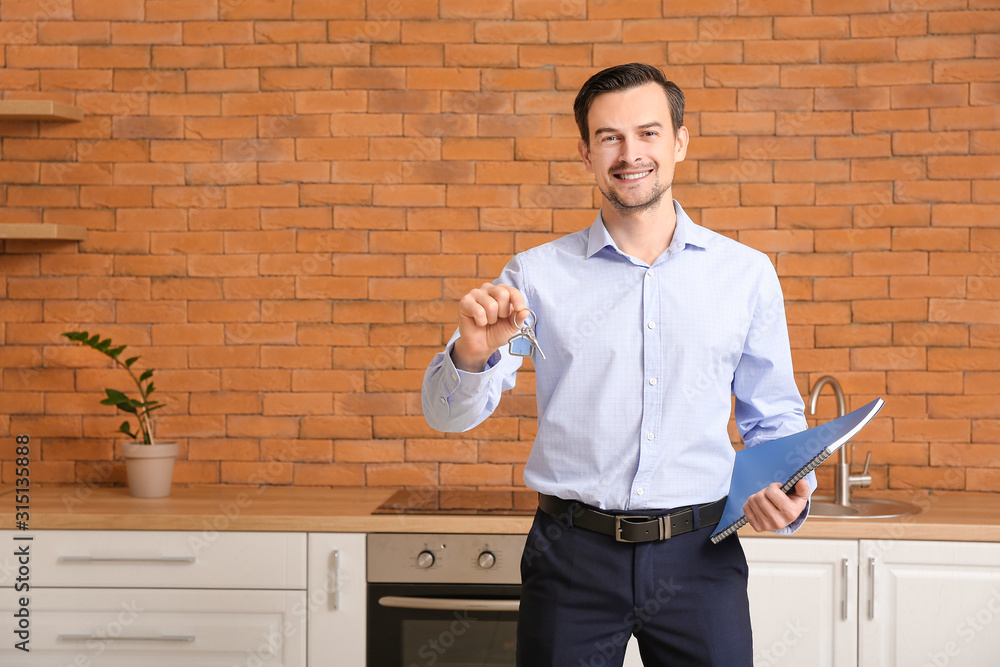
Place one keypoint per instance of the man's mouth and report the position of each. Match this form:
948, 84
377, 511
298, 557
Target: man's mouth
633, 176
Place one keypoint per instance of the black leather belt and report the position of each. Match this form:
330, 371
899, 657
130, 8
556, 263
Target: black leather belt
625, 528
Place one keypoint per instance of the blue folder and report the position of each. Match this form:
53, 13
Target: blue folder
786, 460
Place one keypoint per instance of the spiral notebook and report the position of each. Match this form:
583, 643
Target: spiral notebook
786, 460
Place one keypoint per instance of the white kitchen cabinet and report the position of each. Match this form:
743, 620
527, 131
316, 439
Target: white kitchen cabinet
124, 627
908, 603
168, 559
157, 598
803, 601
932, 604
338, 600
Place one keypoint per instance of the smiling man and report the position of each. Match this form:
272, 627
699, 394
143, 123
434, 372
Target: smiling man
651, 326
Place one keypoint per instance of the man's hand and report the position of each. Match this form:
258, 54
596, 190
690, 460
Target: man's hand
487, 318
771, 509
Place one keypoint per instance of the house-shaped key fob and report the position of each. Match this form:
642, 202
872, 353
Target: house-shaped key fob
521, 345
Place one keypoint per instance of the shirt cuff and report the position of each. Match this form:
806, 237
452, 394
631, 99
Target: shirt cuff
795, 525
455, 379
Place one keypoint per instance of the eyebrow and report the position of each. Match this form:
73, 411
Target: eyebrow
610, 130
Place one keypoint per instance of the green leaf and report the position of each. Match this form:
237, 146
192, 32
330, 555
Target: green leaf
146, 375
116, 395
104, 345
150, 388
130, 361
93, 341
115, 352
125, 429
120, 403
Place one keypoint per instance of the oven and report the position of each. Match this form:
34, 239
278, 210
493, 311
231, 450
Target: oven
443, 600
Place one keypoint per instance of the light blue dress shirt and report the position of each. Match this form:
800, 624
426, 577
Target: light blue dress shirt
642, 365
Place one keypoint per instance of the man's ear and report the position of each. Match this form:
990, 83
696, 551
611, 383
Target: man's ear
585, 154
681, 143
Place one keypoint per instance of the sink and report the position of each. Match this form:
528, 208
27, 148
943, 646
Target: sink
860, 508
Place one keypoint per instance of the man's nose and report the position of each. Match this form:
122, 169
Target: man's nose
631, 151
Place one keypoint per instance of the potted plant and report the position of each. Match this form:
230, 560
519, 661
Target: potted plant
149, 464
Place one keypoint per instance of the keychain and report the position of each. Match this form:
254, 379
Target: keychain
523, 343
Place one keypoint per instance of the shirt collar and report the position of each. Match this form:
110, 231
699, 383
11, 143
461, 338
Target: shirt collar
685, 233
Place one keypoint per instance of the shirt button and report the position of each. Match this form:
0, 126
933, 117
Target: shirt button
650, 436
652, 381
651, 324
649, 274
454, 376
444, 400
638, 491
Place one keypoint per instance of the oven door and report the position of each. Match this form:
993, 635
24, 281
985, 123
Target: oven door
445, 625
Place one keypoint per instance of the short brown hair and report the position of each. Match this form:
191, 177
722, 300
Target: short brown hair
625, 77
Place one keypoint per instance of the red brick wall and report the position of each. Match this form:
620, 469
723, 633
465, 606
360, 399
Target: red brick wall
286, 198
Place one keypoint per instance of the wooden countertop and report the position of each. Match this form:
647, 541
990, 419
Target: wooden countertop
973, 517
228, 508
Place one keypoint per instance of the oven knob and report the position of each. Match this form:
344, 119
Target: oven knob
425, 559
487, 560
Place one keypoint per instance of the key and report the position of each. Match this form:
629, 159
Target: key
534, 341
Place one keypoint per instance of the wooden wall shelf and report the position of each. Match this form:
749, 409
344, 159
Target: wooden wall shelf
42, 232
39, 110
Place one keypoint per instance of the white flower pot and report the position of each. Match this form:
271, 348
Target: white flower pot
150, 468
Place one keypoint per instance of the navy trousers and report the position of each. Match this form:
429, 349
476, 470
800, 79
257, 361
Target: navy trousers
583, 595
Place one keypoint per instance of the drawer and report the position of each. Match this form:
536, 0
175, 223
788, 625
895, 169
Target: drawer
161, 559
126, 627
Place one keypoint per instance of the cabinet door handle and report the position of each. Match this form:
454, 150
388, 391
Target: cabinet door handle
871, 589
128, 559
136, 638
334, 581
843, 589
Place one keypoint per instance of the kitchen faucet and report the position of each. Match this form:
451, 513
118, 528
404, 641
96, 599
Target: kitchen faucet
843, 479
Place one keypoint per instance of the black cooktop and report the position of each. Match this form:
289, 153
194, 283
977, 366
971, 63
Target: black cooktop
435, 500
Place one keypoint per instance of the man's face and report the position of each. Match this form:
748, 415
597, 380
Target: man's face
633, 148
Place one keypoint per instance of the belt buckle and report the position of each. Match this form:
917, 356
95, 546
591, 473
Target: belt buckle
662, 524
618, 529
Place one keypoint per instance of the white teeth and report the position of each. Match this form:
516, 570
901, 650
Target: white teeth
632, 177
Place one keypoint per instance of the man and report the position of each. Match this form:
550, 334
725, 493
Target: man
649, 325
